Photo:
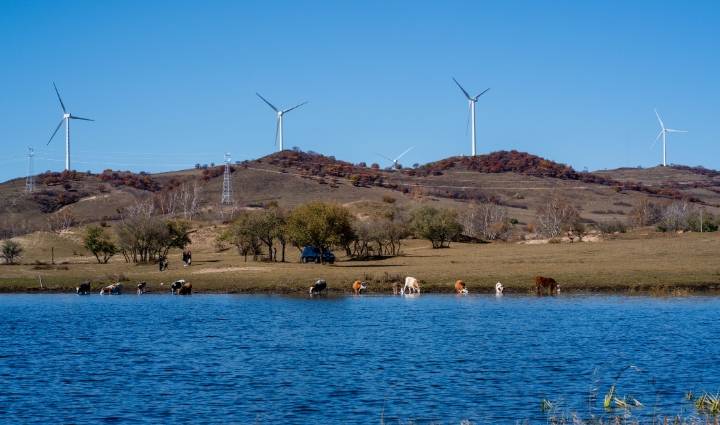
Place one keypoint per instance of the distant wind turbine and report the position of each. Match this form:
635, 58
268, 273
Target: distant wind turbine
67, 116
395, 162
279, 125
663, 132
472, 101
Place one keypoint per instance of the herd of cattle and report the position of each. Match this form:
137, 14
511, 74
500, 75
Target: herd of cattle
179, 287
543, 286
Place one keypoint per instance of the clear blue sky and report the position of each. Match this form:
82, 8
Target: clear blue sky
173, 83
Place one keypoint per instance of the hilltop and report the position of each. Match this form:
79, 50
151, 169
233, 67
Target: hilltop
518, 180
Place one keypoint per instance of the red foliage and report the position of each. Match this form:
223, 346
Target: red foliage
142, 181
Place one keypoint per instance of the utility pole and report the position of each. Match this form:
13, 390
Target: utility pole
227, 189
30, 179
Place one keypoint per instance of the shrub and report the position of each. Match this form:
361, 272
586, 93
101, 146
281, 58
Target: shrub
11, 251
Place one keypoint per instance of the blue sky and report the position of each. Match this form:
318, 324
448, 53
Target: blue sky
173, 83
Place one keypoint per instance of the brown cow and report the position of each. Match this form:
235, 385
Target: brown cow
460, 287
359, 286
545, 285
185, 289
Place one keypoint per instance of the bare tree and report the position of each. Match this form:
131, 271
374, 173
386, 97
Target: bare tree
189, 199
61, 221
556, 215
484, 220
646, 213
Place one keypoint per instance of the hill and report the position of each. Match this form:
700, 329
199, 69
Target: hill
517, 180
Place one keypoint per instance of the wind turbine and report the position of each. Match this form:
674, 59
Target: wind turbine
472, 101
67, 116
395, 161
663, 132
279, 126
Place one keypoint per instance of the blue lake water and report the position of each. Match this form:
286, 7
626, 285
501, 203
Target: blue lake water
273, 359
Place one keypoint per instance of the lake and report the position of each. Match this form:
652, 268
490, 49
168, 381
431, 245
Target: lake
272, 359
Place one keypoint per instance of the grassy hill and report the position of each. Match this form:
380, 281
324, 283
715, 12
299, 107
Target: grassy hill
517, 180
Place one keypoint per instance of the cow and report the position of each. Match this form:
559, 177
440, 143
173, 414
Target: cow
114, 289
411, 286
83, 288
545, 285
460, 288
359, 286
178, 285
318, 287
141, 288
499, 288
185, 289
396, 287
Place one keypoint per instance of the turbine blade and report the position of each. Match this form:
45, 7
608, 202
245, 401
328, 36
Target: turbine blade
294, 107
266, 101
656, 139
463, 90
62, 105
670, 130
403, 154
383, 156
478, 96
659, 119
55, 132
73, 117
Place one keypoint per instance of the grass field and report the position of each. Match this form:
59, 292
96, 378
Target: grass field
635, 262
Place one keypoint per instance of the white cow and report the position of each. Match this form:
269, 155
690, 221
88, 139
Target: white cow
411, 286
499, 288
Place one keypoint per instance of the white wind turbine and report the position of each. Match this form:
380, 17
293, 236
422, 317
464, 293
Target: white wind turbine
395, 161
67, 116
663, 132
279, 126
472, 101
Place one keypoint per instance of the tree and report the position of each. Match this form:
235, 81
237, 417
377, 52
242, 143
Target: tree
555, 216
243, 235
321, 225
486, 221
10, 251
439, 226
646, 213
143, 237
381, 233
100, 244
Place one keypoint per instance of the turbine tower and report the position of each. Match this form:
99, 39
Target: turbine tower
279, 125
395, 162
227, 190
472, 101
30, 179
67, 116
663, 132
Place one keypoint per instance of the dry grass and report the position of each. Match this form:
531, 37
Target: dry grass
661, 264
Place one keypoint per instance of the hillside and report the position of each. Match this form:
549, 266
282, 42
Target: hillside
517, 180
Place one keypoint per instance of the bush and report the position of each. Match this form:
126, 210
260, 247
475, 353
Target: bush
555, 216
11, 251
614, 226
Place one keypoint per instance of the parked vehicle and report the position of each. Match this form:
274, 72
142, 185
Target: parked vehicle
311, 254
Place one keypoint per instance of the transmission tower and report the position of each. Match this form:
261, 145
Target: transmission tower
227, 190
30, 179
